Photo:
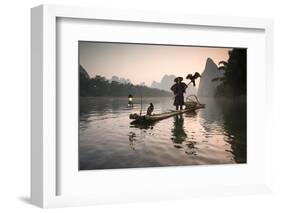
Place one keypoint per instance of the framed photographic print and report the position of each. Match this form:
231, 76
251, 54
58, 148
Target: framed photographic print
149, 106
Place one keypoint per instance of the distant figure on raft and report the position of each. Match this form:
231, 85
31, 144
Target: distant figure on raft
150, 109
179, 89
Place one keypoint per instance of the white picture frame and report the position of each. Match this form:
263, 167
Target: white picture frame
44, 147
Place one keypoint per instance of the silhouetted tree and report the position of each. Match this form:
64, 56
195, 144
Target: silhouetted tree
234, 80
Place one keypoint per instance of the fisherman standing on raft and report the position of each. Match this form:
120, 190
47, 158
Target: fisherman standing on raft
179, 89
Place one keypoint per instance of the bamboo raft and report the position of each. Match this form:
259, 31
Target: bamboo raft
190, 106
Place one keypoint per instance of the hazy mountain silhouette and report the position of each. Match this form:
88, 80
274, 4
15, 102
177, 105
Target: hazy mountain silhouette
116, 87
143, 84
191, 90
168, 80
120, 80
165, 84
207, 87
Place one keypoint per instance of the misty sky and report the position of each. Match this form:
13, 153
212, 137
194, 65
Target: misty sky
145, 63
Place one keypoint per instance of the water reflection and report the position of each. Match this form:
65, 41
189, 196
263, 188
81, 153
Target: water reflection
143, 125
235, 128
178, 132
231, 116
132, 140
107, 139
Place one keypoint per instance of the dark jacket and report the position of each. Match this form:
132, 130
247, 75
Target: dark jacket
178, 90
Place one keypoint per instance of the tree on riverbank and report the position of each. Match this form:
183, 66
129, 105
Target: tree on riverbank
234, 81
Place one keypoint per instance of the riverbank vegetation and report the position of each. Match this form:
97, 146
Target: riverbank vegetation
234, 80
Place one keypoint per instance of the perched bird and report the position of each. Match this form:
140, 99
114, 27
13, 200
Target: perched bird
193, 77
150, 109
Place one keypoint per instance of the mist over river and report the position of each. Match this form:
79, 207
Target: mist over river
215, 134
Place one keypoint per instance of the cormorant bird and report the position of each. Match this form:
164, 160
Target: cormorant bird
193, 77
150, 109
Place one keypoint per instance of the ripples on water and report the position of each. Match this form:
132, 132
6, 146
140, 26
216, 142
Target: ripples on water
107, 140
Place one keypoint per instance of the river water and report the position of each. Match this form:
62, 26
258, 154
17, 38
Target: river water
107, 140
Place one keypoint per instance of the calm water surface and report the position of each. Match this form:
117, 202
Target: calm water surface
107, 140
